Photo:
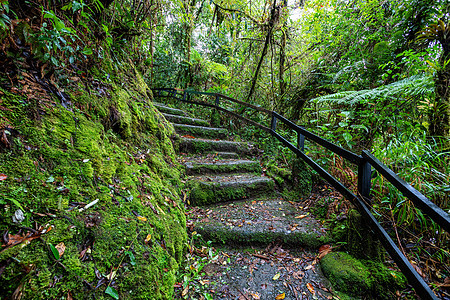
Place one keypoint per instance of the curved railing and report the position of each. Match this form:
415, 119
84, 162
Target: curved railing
365, 162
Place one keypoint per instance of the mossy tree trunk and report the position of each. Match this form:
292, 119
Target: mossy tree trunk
440, 121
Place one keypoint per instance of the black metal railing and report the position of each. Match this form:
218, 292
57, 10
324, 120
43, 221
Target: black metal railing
365, 162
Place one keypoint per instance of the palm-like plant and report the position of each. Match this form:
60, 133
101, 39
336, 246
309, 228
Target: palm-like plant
440, 114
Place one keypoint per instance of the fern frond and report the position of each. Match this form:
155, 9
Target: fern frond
417, 85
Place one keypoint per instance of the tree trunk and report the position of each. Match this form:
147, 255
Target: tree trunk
440, 115
283, 56
264, 52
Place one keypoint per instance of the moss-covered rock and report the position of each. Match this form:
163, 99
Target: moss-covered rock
223, 166
209, 190
361, 277
114, 148
361, 242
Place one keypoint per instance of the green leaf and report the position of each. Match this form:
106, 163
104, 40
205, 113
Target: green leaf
132, 258
16, 203
347, 136
112, 292
54, 61
87, 51
54, 251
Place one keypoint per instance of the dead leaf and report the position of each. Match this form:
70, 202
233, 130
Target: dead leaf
255, 296
324, 250
188, 136
3, 177
418, 270
310, 288
14, 239
276, 276
83, 253
185, 291
203, 282
18, 293
301, 216
148, 238
61, 248
143, 219
280, 296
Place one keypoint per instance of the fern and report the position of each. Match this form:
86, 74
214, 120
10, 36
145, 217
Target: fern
417, 85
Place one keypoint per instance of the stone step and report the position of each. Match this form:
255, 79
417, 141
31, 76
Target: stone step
202, 166
169, 110
249, 274
226, 155
201, 131
190, 145
185, 120
213, 189
258, 222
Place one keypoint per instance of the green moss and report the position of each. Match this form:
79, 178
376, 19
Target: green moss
204, 193
247, 167
361, 277
295, 182
361, 242
72, 157
224, 235
320, 208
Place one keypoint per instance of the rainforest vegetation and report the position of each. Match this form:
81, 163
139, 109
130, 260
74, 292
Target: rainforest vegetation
78, 127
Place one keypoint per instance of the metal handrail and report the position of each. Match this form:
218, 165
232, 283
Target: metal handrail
364, 163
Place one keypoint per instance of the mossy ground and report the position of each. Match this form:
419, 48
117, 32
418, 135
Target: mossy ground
114, 148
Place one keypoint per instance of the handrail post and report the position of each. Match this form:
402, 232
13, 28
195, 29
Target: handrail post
217, 102
273, 123
364, 179
300, 141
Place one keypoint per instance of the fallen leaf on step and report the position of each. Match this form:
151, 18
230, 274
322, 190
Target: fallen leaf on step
276, 276
255, 296
280, 296
301, 216
310, 288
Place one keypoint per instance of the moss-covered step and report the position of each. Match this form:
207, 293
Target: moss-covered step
226, 155
169, 110
361, 277
258, 222
190, 145
199, 166
185, 120
201, 131
215, 189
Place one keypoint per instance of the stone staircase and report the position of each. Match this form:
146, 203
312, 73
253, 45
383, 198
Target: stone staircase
234, 205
